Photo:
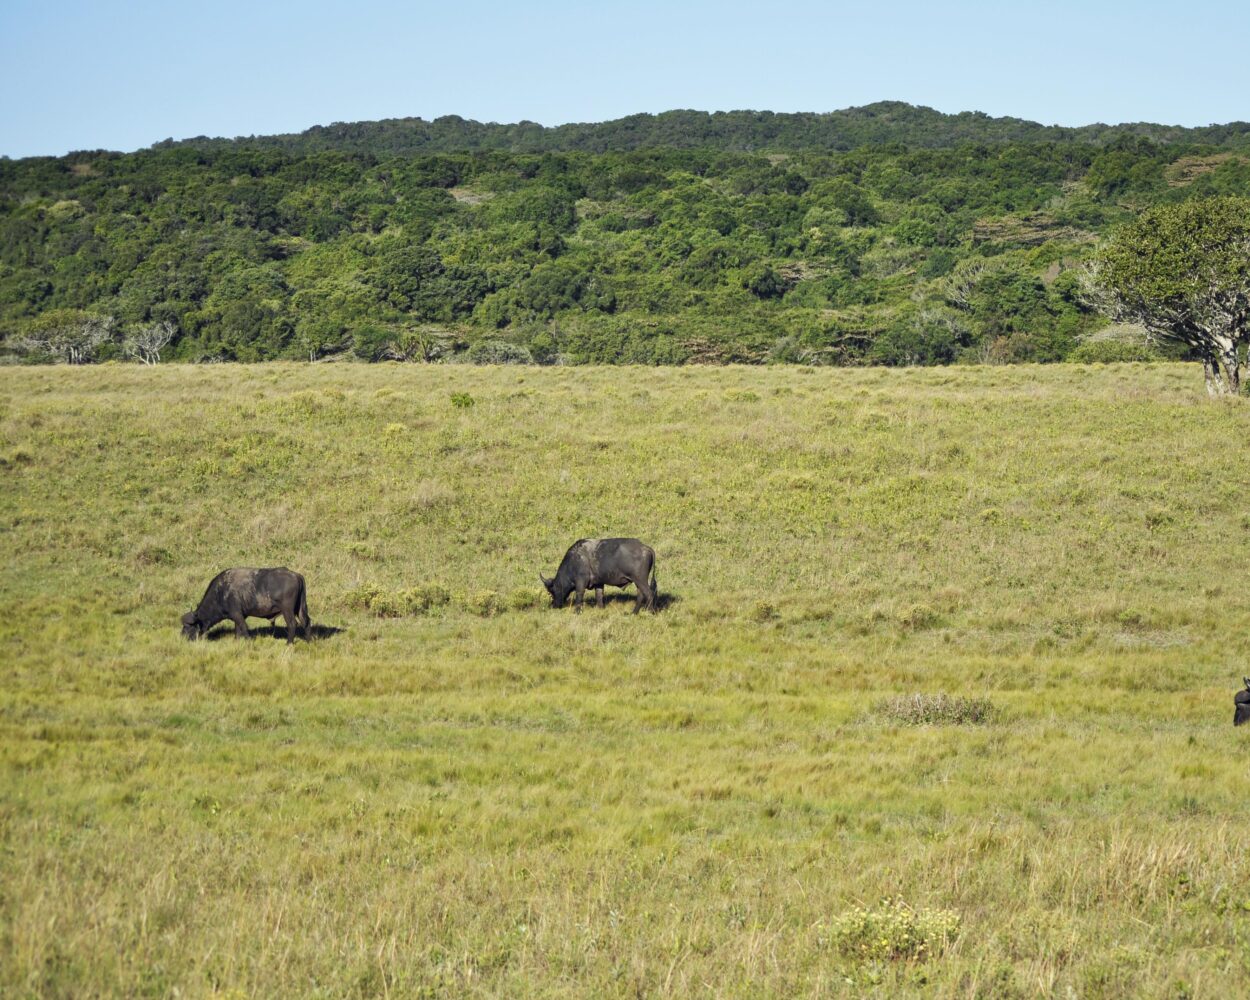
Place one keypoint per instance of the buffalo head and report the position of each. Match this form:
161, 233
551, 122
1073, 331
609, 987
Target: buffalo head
557, 600
191, 629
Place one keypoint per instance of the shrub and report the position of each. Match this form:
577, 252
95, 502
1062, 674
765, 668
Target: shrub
525, 599
936, 710
461, 400
764, 611
425, 597
763, 282
362, 597
918, 617
398, 603
893, 931
484, 603
499, 352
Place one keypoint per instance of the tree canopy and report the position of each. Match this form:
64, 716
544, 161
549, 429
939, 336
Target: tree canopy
1183, 272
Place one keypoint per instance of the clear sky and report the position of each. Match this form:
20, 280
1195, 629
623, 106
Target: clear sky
122, 75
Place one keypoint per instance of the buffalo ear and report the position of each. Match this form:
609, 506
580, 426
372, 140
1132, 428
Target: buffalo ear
188, 618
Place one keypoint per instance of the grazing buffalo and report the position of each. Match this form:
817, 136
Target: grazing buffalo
239, 594
1241, 704
604, 562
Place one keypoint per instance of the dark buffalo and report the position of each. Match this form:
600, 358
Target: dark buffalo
1241, 704
604, 562
239, 594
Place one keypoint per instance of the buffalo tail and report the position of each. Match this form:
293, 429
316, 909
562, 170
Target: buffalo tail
302, 610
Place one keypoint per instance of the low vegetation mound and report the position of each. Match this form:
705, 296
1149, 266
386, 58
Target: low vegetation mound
894, 931
936, 710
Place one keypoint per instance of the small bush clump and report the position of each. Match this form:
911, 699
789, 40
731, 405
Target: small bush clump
936, 710
461, 400
499, 352
485, 603
764, 611
918, 617
363, 597
398, 603
426, 597
893, 931
525, 599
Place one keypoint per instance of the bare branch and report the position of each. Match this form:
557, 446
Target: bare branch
146, 343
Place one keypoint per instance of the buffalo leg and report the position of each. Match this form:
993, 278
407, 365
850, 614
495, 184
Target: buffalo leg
289, 617
599, 596
645, 595
240, 627
577, 600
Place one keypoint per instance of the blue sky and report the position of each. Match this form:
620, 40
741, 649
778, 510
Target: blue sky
78, 75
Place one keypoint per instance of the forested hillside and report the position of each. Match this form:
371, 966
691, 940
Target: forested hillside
881, 123
889, 254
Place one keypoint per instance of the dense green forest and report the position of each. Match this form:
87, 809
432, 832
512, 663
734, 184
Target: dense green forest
759, 239
886, 122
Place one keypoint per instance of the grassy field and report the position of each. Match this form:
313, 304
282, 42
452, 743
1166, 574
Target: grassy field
480, 796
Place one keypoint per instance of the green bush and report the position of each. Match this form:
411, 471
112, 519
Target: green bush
525, 599
484, 603
417, 600
363, 597
424, 598
499, 352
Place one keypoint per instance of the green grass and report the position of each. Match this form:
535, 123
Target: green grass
462, 793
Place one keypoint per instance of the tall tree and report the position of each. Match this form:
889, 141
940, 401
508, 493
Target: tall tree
1183, 272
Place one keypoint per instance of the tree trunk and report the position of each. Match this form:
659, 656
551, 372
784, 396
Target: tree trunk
1223, 373
1231, 364
1214, 377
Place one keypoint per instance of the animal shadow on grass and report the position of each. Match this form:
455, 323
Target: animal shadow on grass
662, 601
315, 632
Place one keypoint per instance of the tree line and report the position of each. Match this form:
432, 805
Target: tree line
879, 124
876, 255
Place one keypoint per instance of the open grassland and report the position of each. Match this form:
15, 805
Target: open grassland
486, 797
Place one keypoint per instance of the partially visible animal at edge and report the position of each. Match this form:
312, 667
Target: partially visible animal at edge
595, 563
239, 594
1241, 704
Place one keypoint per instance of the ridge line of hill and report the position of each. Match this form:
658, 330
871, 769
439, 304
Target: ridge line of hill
881, 123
